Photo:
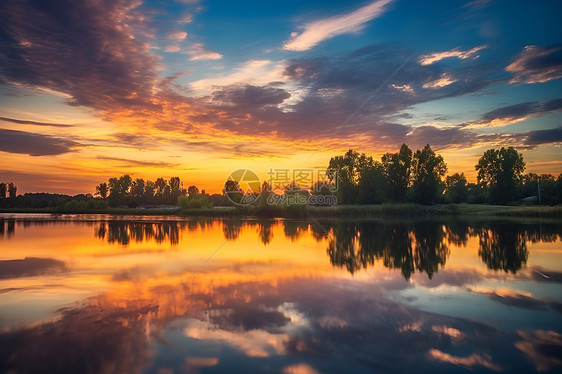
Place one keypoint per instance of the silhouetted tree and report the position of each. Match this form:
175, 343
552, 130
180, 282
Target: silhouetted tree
119, 190
427, 170
372, 185
12, 190
102, 190
192, 191
545, 185
456, 188
137, 188
322, 188
175, 189
3, 189
397, 168
500, 171
233, 191
175, 184
159, 187
265, 193
149, 190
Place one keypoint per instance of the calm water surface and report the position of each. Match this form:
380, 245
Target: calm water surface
103, 294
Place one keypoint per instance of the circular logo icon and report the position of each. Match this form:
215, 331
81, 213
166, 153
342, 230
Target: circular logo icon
242, 187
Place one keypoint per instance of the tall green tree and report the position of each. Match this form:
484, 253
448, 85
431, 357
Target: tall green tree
372, 185
345, 172
428, 168
397, 167
500, 171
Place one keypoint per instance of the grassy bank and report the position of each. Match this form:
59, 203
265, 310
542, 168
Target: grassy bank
443, 210
346, 211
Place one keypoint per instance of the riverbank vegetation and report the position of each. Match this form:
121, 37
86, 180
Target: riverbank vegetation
400, 184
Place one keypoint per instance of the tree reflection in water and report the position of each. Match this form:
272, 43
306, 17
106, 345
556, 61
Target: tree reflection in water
503, 247
414, 246
424, 246
419, 246
123, 232
295, 317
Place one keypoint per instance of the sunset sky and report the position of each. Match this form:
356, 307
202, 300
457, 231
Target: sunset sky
197, 89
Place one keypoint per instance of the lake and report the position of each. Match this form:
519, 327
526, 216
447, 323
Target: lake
140, 294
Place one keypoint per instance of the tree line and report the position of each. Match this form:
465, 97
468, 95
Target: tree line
124, 191
420, 177
403, 176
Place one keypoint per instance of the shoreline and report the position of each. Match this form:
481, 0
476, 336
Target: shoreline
406, 211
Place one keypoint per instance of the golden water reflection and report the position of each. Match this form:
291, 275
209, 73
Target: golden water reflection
154, 294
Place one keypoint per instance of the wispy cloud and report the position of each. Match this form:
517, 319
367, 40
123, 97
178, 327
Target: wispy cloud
443, 81
404, 88
534, 138
34, 123
536, 64
177, 35
188, 18
140, 162
256, 72
431, 58
478, 4
466, 361
533, 344
517, 113
318, 31
173, 48
197, 52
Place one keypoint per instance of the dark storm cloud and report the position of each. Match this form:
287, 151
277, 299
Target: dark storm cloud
85, 49
29, 266
33, 144
34, 123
